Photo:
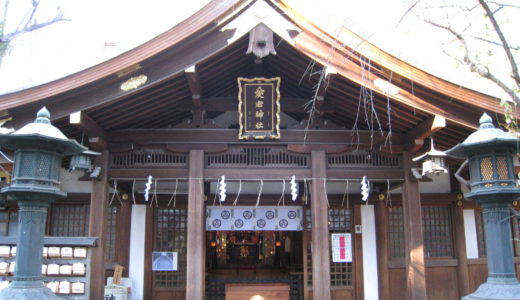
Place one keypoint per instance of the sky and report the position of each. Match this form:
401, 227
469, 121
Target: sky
101, 29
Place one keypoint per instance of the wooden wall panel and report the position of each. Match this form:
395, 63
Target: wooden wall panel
397, 283
442, 283
170, 295
477, 276
342, 294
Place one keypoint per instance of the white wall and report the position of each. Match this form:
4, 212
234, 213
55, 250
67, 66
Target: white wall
370, 276
137, 239
470, 231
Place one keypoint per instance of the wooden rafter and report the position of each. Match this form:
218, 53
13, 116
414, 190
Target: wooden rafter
424, 130
83, 122
322, 52
194, 84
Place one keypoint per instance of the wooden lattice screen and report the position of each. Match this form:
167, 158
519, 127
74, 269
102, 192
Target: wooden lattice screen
257, 157
437, 231
69, 220
148, 158
396, 232
363, 159
340, 273
110, 253
170, 235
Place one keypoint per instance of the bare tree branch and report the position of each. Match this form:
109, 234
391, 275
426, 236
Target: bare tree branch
10, 36
503, 4
475, 66
505, 45
28, 24
407, 12
493, 42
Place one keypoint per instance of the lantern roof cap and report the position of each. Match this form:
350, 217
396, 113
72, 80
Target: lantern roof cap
486, 135
432, 152
41, 130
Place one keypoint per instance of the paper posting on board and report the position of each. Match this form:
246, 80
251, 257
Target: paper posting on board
341, 247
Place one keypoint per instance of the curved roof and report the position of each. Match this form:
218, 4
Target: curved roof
205, 53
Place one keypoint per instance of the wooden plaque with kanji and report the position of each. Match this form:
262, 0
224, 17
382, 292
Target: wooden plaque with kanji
259, 108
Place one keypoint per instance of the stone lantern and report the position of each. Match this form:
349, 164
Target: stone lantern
489, 152
38, 150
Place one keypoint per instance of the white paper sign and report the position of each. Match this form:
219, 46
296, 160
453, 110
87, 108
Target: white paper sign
341, 247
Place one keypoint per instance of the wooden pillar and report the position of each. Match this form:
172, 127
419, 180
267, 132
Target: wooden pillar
382, 250
305, 243
414, 246
195, 267
98, 227
357, 239
320, 229
124, 219
460, 250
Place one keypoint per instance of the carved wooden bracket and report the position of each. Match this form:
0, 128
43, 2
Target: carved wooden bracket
261, 41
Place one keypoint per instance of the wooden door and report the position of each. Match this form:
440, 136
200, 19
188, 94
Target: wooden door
170, 236
342, 274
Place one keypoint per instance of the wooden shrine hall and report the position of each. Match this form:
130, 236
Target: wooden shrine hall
248, 153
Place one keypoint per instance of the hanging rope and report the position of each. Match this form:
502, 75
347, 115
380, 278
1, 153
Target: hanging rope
238, 193
174, 196
305, 190
388, 199
282, 197
325, 190
154, 196
259, 192
114, 195
216, 192
345, 194
133, 192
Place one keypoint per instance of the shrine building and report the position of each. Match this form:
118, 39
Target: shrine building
248, 153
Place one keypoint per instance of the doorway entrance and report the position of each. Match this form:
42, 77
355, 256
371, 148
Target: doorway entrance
251, 257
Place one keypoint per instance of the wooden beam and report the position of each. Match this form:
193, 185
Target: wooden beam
322, 90
194, 84
460, 250
195, 246
131, 173
83, 122
424, 130
97, 143
414, 243
98, 228
217, 136
320, 228
123, 225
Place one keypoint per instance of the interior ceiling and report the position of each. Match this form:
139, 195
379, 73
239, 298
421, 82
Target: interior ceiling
347, 105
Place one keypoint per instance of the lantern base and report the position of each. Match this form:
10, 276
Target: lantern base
493, 291
28, 293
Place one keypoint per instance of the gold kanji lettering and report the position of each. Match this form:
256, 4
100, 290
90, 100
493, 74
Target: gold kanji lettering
259, 114
259, 93
259, 104
259, 125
